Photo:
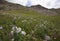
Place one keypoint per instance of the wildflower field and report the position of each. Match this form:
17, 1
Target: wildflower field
28, 25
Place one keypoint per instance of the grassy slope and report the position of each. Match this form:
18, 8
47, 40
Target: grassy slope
35, 24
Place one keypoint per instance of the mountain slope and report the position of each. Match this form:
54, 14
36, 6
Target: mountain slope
9, 6
46, 11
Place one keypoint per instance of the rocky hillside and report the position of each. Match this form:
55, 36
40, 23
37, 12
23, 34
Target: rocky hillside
9, 6
43, 10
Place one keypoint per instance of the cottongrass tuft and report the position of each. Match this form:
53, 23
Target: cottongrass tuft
12, 32
45, 22
1, 27
41, 25
14, 28
23, 32
12, 39
31, 18
15, 17
18, 30
24, 20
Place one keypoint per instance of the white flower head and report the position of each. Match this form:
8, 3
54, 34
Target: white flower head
14, 28
1, 27
15, 17
18, 30
12, 39
41, 25
23, 32
24, 20
12, 32
32, 31
46, 22
31, 18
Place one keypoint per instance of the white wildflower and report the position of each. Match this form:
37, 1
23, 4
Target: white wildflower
23, 32
31, 18
54, 37
12, 39
15, 17
32, 32
41, 25
12, 32
18, 30
47, 37
24, 20
1, 27
14, 28
45, 22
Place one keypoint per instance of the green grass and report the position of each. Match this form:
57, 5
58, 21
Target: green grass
35, 25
